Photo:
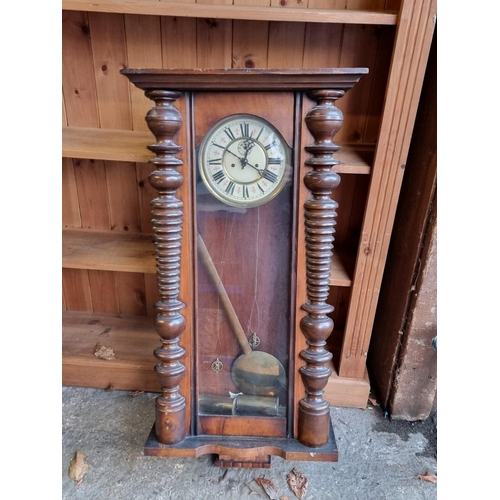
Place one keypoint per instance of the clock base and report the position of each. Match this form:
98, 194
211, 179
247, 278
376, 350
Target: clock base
243, 451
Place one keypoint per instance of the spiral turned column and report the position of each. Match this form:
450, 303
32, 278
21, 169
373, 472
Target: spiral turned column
323, 121
164, 121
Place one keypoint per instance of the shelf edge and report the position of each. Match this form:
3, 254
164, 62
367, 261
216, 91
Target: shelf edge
238, 12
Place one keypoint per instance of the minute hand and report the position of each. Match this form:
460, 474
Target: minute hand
245, 162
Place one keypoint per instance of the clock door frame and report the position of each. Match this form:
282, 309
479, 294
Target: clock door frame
280, 110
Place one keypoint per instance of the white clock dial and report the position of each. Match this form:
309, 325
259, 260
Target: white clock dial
243, 161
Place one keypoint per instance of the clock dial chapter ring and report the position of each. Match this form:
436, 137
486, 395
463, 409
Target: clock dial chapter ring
244, 161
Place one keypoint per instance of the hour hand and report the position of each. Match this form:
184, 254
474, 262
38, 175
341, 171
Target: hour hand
243, 161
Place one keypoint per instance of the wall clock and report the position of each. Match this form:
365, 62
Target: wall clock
243, 259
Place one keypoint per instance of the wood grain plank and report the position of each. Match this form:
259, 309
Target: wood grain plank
322, 45
104, 293
70, 208
121, 181
106, 144
412, 46
152, 293
250, 44
78, 83
213, 43
108, 251
286, 45
178, 35
77, 289
64, 114
143, 42
251, 13
131, 293
109, 56
359, 47
93, 200
145, 194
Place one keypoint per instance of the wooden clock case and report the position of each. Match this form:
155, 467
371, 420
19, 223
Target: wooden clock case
301, 104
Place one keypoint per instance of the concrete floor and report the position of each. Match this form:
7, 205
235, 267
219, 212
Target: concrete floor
379, 459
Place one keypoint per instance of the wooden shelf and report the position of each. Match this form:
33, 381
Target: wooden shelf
251, 13
106, 144
342, 268
133, 340
135, 253
108, 251
128, 145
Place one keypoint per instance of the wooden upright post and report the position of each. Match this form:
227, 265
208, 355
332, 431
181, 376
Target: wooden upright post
323, 121
165, 121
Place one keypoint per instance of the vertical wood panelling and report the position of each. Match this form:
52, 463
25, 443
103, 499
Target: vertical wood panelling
213, 43
110, 55
322, 45
131, 293
392, 4
359, 49
178, 36
92, 194
146, 194
78, 80
121, 180
152, 293
357, 213
91, 182
343, 195
104, 292
80, 99
143, 40
114, 104
64, 114
286, 45
76, 289
70, 208
250, 44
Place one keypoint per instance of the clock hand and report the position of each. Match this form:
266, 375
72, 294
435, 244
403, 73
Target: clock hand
242, 160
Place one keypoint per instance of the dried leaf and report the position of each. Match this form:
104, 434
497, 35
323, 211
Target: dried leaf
430, 478
268, 487
373, 401
298, 483
110, 388
103, 352
134, 394
78, 467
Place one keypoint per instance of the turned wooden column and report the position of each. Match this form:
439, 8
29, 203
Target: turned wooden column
323, 121
164, 121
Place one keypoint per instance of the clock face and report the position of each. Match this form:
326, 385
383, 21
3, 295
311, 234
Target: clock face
244, 161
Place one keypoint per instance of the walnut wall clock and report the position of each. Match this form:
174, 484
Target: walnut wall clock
242, 363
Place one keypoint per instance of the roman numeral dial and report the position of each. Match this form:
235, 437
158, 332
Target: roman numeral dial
244, 161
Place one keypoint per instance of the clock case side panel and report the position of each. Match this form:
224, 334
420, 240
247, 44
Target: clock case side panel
279, 109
